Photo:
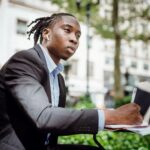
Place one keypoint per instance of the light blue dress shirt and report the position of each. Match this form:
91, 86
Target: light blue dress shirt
54, 70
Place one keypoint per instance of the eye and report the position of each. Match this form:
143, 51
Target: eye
78, 36
67, 30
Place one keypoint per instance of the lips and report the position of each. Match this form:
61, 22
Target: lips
71, 49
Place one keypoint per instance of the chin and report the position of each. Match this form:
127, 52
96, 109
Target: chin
66, 57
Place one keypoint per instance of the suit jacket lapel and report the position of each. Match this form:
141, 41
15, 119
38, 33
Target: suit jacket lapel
47, 83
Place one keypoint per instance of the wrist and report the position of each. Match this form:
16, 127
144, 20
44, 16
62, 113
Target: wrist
110, 116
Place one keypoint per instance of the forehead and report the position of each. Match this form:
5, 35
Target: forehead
68, 20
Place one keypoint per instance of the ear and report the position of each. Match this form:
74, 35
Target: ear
46, 33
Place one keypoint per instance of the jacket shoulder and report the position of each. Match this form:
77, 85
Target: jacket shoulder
29, 53
26, 56
25, 62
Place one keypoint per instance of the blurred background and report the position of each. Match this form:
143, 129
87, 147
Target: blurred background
113, 56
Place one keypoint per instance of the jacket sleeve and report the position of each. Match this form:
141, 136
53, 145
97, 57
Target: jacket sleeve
23, 77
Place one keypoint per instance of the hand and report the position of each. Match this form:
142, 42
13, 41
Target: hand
127, 114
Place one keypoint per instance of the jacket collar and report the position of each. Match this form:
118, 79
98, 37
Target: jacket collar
40, 53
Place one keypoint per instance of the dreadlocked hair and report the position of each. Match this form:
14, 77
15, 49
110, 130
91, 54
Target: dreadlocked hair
43, 22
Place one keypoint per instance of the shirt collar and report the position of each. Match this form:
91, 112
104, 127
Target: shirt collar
52, 67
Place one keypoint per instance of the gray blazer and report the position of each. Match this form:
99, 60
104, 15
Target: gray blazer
8, 137
29, 102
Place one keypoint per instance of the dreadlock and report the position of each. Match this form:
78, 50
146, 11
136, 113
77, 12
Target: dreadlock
43, 22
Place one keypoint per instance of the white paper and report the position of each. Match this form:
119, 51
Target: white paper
143, 129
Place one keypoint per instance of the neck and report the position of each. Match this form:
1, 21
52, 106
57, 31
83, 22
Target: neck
54, 58
51, 55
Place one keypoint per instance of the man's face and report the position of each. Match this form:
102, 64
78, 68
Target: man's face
63, 38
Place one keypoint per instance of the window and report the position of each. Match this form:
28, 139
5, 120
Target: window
21, 26
109, 61
146, 67
133, 52
122, 62
108, 79
133, 64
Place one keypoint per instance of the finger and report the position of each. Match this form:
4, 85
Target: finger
140, 119
138, 108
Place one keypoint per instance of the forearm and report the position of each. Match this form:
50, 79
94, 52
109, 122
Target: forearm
68, 121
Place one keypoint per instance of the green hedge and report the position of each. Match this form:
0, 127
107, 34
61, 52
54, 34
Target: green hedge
111, 140
125, 100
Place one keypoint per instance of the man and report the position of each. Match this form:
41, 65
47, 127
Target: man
36, 91
8, 137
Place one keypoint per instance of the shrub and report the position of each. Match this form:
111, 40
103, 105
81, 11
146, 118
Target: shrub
111, 140
123, 101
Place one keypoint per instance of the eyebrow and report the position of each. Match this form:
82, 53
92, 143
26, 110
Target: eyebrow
68, 25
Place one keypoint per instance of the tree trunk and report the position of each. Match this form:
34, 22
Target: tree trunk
117, 73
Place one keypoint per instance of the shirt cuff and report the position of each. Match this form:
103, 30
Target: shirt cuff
101, 120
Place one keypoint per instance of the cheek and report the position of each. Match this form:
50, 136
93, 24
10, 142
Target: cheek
56, 41
59, 36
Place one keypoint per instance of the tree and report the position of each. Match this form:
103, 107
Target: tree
127, 17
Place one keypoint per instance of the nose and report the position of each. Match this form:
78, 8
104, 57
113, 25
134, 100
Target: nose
73, 38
